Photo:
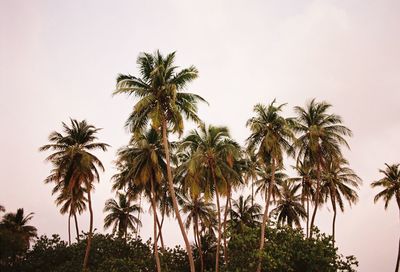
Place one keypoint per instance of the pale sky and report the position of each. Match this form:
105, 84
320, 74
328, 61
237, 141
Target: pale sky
59, 59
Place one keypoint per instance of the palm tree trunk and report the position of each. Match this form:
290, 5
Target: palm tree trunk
89, 238
333, 200
308, 216
69, 228
266, 214
219, 221
153, 205
140, 208
398, 252
76, 227
159, 235
317, 192
225, 219
196, 234
173, 196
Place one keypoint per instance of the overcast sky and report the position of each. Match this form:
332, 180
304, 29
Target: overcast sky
59, 59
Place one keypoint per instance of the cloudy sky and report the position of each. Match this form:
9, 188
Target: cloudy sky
59, 59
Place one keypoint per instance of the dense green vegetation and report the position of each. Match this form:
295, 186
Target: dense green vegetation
195, 180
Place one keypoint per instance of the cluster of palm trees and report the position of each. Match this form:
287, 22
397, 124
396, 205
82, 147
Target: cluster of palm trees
195, 174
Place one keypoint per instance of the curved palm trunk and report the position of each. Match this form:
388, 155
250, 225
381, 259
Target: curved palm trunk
89, 238
76, 227
173, 196
317, 192
266, 215
153, 205
69, 228
219, 221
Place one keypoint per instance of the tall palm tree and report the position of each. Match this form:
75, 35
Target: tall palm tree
162, 102
212, 155
306, 175
391, 189
338, 183
321, 135
120, 215
289, 207
71, 202
75, 165
145, 159
17, 223
244, 213
197, 210
271, 136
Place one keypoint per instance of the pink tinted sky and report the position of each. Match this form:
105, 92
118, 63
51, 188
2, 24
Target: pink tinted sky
59, 59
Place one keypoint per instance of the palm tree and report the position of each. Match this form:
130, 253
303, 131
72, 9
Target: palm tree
338, 183
72, 202
121, 215
212, 157
144, 157
75, 165
391, 189
244, 213
162, 102
250, 170
289, 207
320, 140
17, 224
270, 135
197, 210
306, 175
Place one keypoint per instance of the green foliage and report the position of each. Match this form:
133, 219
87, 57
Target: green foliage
287, 250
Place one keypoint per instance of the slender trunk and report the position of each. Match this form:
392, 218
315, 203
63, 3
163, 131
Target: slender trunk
266, 214
196, 234
140, 208
153, 205
89, 238
317, 193
398, 252
225, 219
159, 235
76, 227
69, 228
333, 200
173, 196
308, 216
219, 221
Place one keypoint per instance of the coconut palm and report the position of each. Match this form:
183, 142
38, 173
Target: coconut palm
244, 213
162, 102
250, 170
75, 165
338, 183
212, 156
271, 136
72, 202
197, 210
289, 208
120, 215
321, 135
306, 175
17, 223
391, 190
144, 157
